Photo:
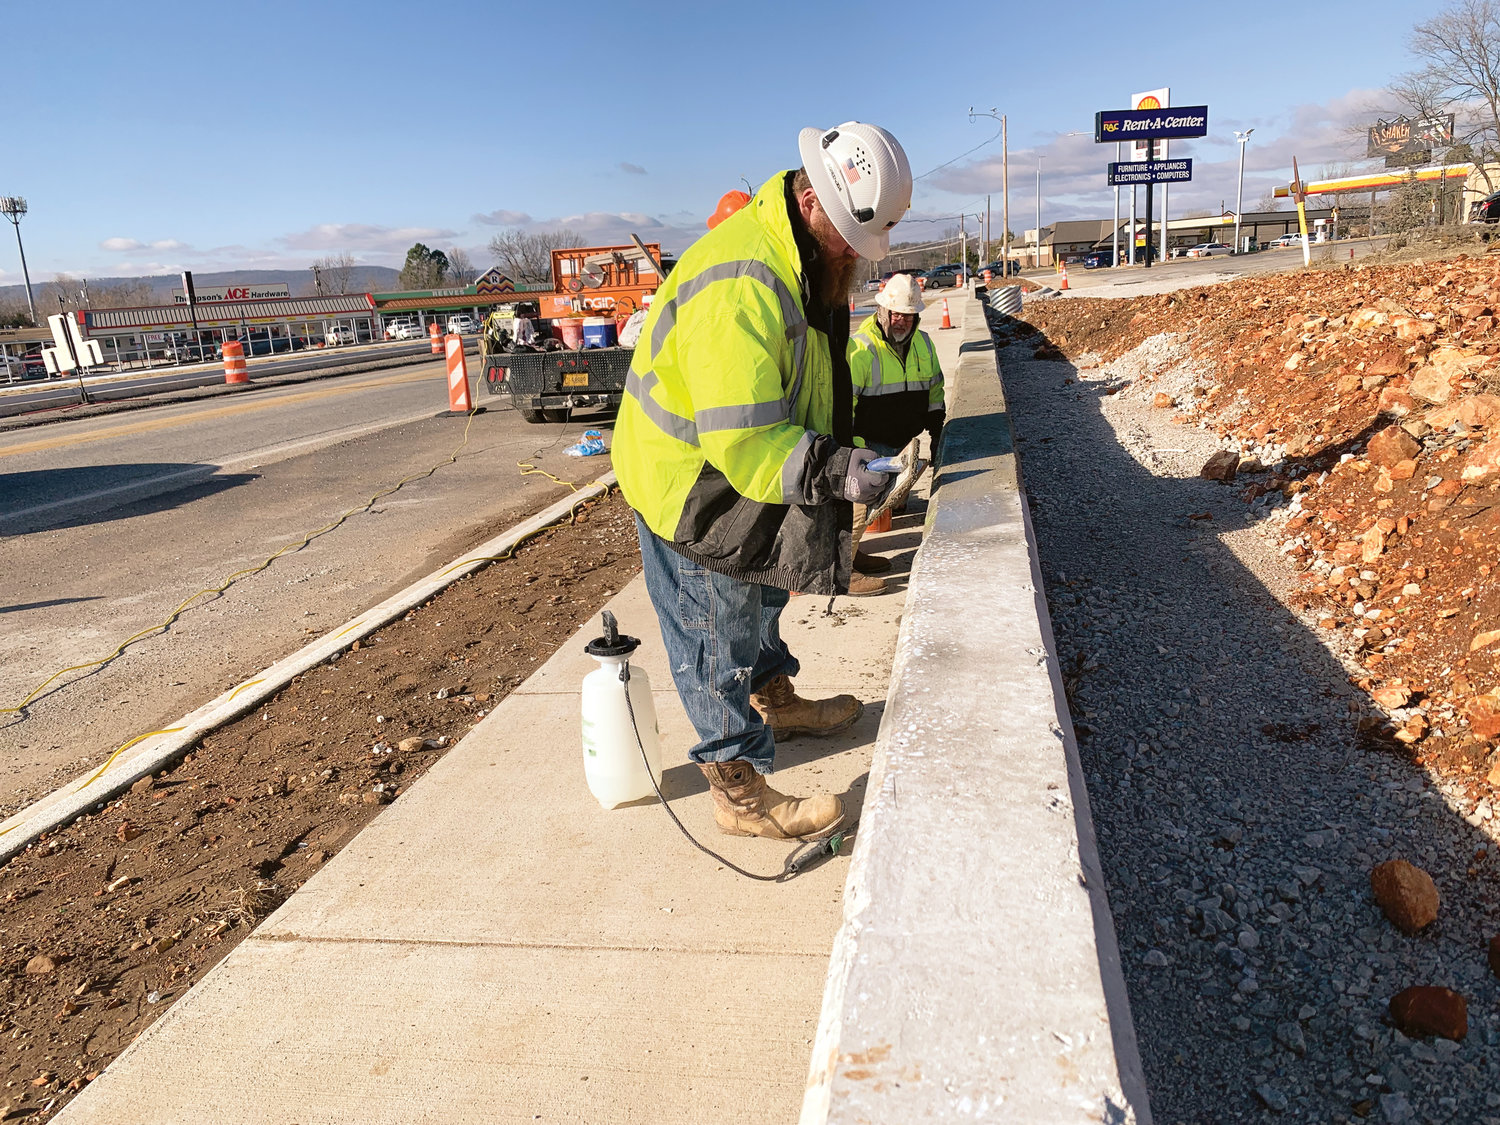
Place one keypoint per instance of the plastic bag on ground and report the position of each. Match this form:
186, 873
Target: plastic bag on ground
592, 443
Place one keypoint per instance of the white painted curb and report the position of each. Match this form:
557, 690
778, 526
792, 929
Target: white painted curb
152, 753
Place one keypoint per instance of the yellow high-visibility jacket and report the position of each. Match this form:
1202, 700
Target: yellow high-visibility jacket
723, 443
894, 401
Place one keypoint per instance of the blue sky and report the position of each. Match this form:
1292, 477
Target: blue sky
149, 137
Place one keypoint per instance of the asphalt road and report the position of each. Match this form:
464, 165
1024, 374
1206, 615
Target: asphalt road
22, 398
107, 523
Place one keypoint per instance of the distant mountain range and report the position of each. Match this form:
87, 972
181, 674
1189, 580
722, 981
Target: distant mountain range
363, 279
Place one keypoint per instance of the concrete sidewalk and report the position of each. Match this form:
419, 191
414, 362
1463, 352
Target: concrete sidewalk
495, 947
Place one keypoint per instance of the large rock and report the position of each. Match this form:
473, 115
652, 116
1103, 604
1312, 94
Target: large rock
1484, 463
1221, 466
1391, 446
1435, 382
1479, 412
1425, 1009
1406, 894
1396, 402
1392, 362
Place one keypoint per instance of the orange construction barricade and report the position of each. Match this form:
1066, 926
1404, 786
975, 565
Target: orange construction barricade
235, 370
458, 375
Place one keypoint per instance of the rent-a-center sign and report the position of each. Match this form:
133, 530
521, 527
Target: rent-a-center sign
1158, 124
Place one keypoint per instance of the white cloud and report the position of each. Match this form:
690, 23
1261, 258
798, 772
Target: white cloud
119, 245
363, 236
632, 169
503, 218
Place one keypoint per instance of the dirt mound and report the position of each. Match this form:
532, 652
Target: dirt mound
108, 921
1364, 400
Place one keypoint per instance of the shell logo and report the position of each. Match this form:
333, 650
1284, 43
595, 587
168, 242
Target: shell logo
1148, 102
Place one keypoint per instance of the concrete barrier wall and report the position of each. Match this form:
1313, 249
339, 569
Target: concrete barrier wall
976, 974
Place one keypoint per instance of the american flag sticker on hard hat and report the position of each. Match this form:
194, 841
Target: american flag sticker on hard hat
851, 173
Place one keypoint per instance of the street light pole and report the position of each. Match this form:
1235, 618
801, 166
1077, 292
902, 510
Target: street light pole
13, 207
1239, 192
1038, 262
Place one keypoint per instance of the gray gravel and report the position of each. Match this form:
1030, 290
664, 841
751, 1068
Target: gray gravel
1238, 815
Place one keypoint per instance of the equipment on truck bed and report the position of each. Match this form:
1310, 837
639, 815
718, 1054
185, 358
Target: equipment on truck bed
597, 287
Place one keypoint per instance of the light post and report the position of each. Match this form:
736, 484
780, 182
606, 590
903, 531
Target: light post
13, 207
1239, 192
1004, 183
1037, 261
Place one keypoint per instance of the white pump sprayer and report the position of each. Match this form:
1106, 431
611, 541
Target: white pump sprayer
612, 762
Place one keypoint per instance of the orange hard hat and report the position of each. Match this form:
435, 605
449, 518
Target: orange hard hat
729, 203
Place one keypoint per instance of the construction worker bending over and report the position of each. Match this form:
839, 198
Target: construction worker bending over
898, 393
735, 446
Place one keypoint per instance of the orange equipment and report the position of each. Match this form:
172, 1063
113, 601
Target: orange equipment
234, 362
436, 335
458, 375
729, 203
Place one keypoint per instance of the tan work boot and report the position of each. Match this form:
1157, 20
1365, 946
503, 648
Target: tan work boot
787, 713
864, 585
744, 805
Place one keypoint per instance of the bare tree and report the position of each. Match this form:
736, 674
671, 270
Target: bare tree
526, 257
335, 273
1459, 52
461, 269
1269, 201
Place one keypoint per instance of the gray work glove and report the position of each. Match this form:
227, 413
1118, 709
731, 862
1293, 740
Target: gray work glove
861, 486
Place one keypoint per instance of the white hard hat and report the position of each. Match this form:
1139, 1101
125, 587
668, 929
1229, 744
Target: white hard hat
901, 295
862, 180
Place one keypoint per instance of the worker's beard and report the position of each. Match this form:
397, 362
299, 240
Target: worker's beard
892, 334
832, 272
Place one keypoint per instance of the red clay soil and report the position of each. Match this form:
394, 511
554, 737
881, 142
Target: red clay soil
1373, 388
105, 923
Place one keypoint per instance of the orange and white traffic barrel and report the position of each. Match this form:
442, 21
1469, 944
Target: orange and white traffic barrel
235, 370
436, 335
458, 375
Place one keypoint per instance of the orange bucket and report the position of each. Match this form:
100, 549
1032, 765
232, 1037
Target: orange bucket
881, 524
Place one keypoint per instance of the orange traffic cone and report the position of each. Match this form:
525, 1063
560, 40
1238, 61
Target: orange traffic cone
1064, 284
947, 321
851, 304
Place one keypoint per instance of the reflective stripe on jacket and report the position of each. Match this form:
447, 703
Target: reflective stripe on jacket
722, 437
892, 399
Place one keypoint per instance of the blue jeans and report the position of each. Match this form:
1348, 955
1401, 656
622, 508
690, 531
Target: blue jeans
723, 640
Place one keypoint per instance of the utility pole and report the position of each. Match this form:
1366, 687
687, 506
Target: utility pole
1038, 262
1005, 194
1239, 191
13, 207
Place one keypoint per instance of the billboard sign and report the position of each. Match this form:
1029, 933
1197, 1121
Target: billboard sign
1150, 99
1161, 124
203, 294
1406, 136
1150, 172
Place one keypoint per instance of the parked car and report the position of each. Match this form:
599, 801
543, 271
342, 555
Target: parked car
1285, 240
1486, 210
892, 273
408, 330
33, 366
339, 334
263, 343
1000, 269
1209, 250
1099, 259
941, 277
462, 325
392, 326
186, 351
